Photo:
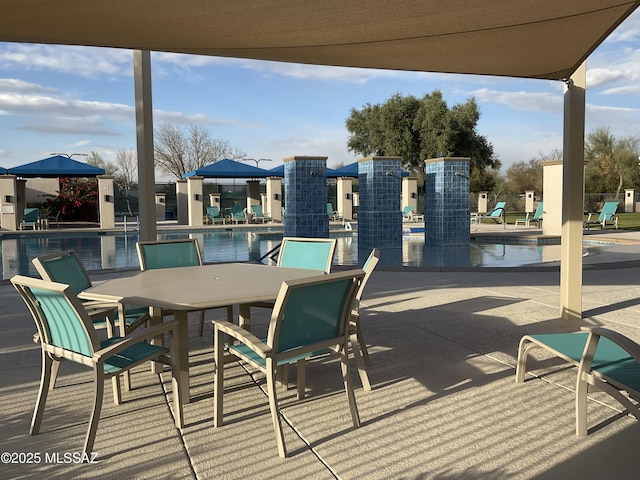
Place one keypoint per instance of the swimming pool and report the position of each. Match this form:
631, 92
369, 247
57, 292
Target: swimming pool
108, 250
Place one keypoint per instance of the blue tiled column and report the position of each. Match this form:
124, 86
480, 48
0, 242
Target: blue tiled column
379, 214
305, 188
446, 216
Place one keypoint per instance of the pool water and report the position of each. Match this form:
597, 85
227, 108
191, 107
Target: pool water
118, 250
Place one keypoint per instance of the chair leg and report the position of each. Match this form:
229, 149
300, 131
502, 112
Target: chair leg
178, 410
582, 388
117, 393
523, 352
54, 373
97, 407
218, 377
301, 377
45, 382
348, 386
362, 369
282, 377
273, 406
361, 342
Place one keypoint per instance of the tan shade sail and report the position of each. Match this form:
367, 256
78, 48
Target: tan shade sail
526, 38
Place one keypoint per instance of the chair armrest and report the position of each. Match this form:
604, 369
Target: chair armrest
105, 353
246, 337
626, 343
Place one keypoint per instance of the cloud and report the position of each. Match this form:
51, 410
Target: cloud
539, 101
87, 62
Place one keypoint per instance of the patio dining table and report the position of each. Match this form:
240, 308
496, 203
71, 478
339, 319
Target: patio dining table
185, 289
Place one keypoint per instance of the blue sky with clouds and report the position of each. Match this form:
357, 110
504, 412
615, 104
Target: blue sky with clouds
80, 99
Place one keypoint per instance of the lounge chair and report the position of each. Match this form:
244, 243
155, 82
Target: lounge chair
213, 215
537, 217
31, 219
333, 214
258, 214
309, 314
497, 214
407, 213
173, 254
605, 360
607, 216
67, 333
238, 214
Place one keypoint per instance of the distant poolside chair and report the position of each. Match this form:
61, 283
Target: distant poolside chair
407, 213
213, 214
238, 214
333, 214
31, 218
497, 214
537, 217
257, 214
607, 216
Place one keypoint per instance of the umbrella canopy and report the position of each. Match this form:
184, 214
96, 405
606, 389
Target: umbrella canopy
351, 170
227, 168
528, 38
56, 167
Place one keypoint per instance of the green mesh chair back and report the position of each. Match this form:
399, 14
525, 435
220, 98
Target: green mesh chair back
311, 253
55, 309
498, 210
213, 212
608, 211
313, 313
257, 210
64, 267
168, 254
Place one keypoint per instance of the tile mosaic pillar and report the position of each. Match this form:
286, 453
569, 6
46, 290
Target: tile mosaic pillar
446, 217
379, 212
305, 186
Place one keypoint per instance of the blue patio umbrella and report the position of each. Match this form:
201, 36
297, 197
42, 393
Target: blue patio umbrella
351, 170
227, 168
56, 167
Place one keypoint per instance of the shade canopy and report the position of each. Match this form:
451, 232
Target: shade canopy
55, 167
526, 38
227, 168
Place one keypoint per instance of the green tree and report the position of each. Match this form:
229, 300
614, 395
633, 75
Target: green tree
523, 176
419, 129
612, 164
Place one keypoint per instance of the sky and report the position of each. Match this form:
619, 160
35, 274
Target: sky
81, 99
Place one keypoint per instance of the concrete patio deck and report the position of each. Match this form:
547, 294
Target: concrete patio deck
444, 402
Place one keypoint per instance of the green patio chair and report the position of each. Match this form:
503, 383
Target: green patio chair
537, 217
65, 267
213, 215
333, 214
238, 214
309, 315
173, 254
605, 360
258, 214
358, 345
310, 253
30, 219
407, 213
67, 332
607, 216
497, 214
